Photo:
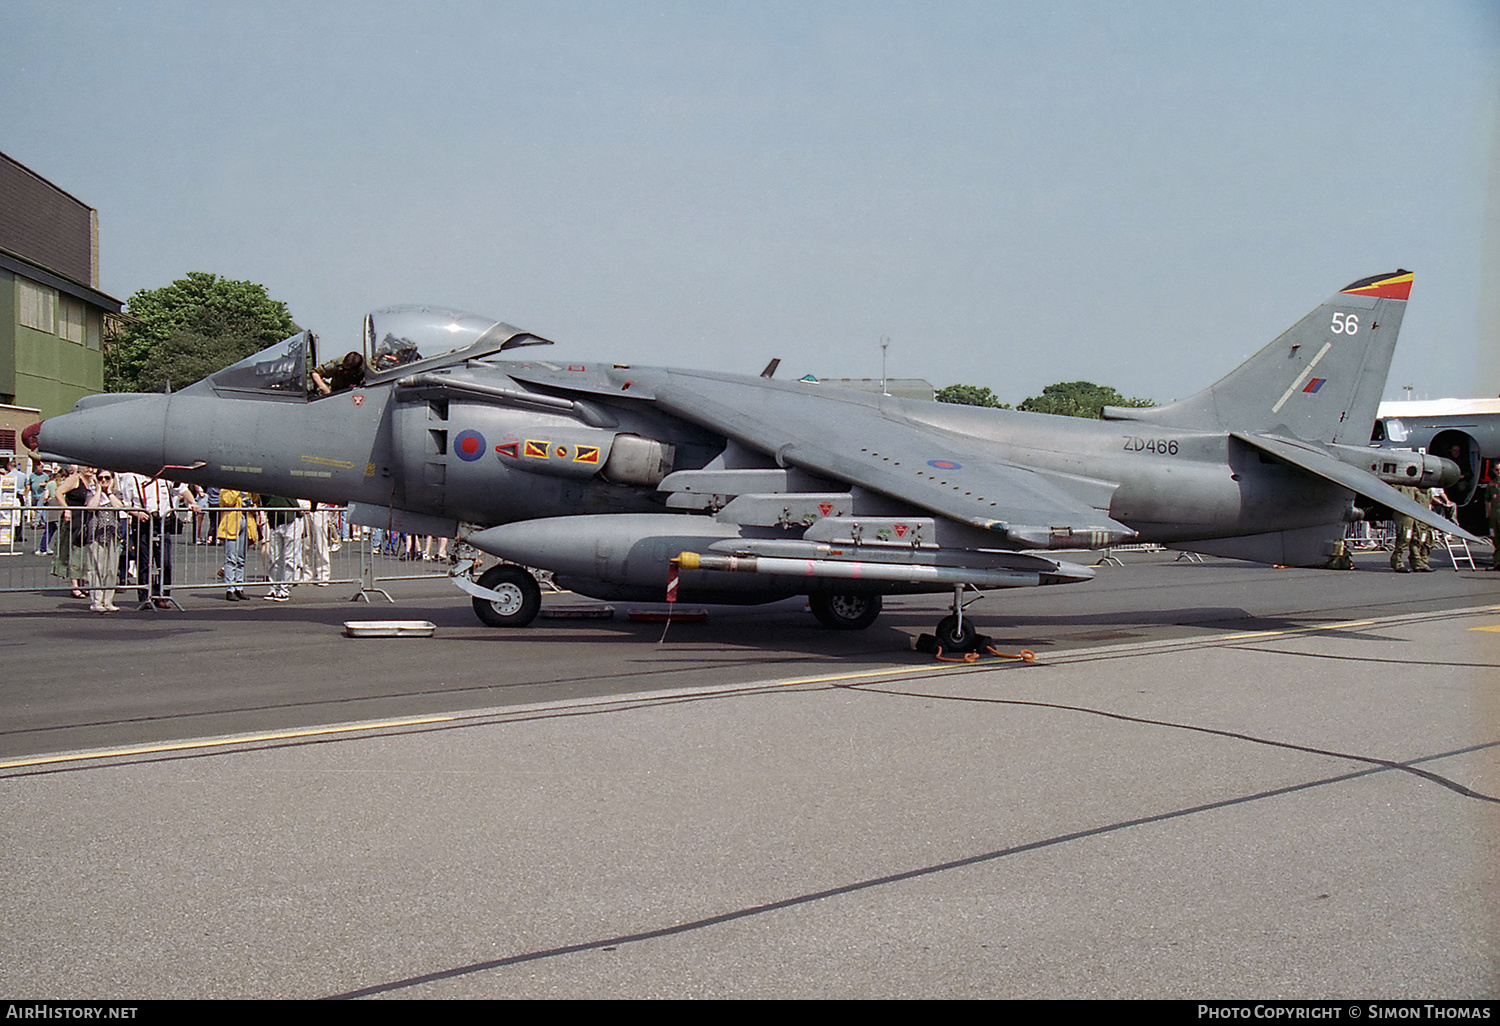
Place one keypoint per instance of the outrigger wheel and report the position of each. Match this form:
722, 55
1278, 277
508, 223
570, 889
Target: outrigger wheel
845, 612
955, 636
520, 597
957, 633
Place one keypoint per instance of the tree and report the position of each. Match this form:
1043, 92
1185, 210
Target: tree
1078, 399
187, 356
969, 395
189, 329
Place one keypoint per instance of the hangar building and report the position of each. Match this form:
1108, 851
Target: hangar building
51, 310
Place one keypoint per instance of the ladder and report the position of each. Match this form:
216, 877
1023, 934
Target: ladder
1458, 549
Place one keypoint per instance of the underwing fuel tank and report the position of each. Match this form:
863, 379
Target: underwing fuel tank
629, 556
626, 549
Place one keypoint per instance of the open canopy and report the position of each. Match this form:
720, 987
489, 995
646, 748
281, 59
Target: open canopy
396, 336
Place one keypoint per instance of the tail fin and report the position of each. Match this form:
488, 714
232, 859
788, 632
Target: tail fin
1320, 381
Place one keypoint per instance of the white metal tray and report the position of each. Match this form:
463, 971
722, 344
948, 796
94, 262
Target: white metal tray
389, 628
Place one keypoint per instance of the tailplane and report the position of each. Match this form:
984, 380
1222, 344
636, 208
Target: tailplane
1320, 381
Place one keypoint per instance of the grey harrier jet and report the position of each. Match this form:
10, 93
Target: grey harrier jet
626, 481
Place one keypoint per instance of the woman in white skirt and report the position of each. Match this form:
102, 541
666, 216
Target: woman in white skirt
101, 535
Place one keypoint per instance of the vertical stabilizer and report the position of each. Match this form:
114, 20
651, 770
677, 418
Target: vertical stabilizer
1320, 381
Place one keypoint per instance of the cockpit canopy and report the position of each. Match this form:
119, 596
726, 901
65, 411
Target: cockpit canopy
394, 338
399, 335
279, 370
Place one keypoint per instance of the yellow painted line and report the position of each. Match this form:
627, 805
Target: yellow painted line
244, 739
287, 735
863, 673
1495, 628
1300, 630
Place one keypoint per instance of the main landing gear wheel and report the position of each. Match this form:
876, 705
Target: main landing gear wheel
845, 612
520, 597
955, 638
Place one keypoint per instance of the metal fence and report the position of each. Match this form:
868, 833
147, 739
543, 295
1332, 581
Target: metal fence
158, 557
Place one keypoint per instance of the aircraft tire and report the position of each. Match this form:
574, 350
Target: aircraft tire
522, 597
952, 639
845, 612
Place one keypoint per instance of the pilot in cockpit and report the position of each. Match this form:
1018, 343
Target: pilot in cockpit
339, 375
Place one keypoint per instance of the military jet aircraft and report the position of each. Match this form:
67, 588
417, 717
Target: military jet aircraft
1466, 431
628, 481
1437, 425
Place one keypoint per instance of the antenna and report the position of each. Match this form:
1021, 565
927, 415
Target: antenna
885, 341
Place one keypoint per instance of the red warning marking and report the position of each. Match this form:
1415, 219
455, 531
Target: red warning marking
576, 367
901, 530
511, 449
825, 508
357, 398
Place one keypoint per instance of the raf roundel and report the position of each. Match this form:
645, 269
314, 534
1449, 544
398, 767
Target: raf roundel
469, 446
945, 465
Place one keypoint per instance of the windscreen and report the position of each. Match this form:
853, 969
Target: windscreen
279, 369
1392, 430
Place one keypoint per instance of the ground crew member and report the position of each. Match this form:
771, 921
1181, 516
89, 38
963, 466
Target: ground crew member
1412, 538
1492, 507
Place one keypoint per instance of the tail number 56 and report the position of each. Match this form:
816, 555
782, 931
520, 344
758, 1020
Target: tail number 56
1344, 324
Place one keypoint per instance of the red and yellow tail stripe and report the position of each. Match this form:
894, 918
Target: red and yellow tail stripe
1383, 286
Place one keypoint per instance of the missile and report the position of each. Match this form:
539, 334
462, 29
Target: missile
905, 573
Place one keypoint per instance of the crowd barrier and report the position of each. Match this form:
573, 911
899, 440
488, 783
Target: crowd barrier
161, 556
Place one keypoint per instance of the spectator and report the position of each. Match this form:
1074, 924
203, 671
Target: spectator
69, 559
320, 565
237, 530
282, 521
101, 534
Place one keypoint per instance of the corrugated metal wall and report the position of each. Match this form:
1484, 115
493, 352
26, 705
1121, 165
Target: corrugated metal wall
41, 223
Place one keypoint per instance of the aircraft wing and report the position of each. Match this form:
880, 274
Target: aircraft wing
848, 437
1318, 463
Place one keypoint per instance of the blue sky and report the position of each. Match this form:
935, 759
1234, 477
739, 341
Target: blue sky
1137, 194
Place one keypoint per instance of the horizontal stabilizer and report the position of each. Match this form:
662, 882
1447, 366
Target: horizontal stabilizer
1315, 461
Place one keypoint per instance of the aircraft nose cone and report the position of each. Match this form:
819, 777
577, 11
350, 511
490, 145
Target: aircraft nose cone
29, 435
116, 430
